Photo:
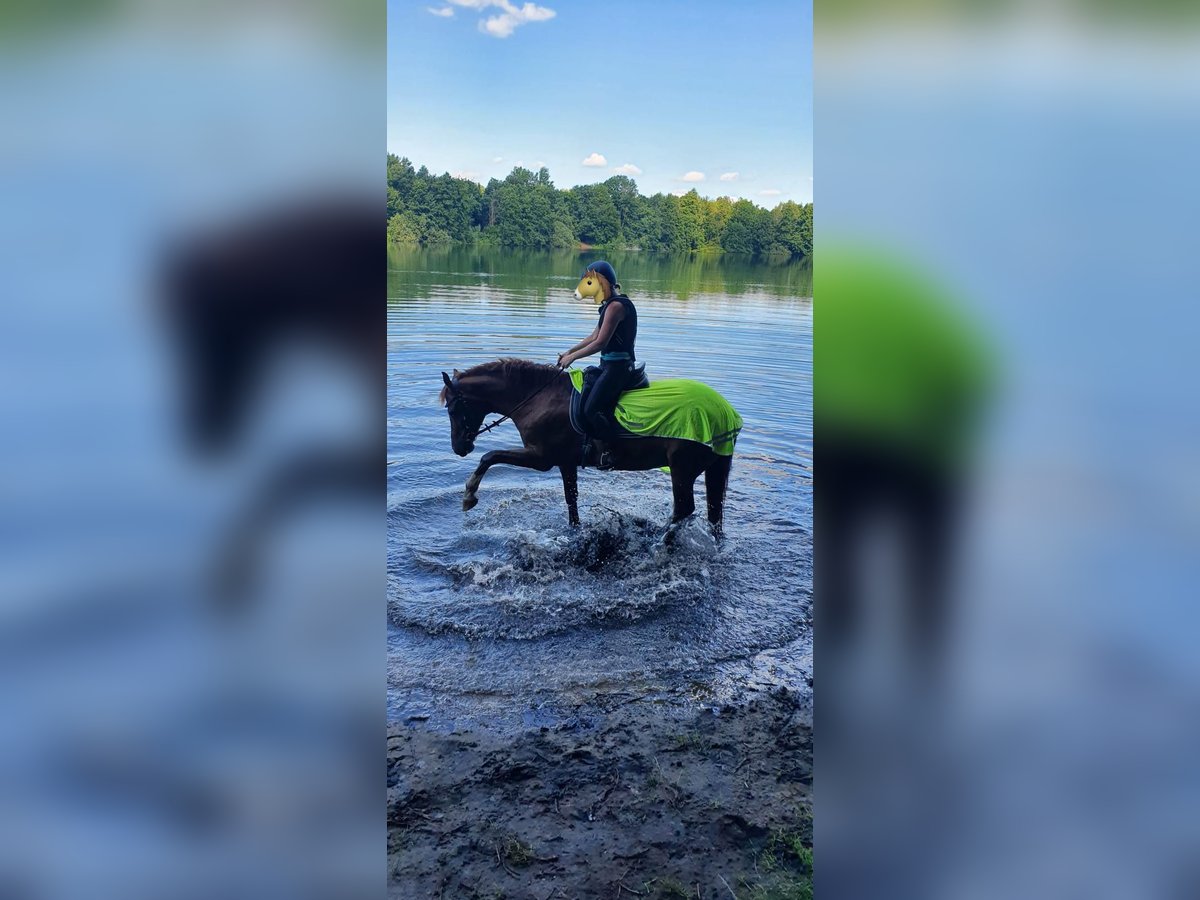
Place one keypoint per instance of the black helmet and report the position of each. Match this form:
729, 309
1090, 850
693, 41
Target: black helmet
600, 267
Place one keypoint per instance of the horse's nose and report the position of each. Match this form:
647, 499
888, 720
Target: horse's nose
578, 296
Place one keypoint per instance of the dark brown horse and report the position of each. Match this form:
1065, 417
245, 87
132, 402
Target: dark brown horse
537, 398
303, 275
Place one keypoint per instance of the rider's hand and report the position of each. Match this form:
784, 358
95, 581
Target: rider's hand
563, 360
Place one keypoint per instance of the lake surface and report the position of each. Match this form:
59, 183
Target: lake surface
507, 615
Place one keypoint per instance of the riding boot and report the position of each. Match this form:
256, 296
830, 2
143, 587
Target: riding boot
604, 456
587, 456
601, 446
595, 453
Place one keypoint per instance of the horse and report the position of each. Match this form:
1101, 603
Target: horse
234, 297
537, 398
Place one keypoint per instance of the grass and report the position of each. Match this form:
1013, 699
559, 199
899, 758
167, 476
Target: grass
516, 852
667, 889
690, 741
791, 889
785, 867
657, 778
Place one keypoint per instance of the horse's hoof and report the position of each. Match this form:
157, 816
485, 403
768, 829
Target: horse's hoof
470, 502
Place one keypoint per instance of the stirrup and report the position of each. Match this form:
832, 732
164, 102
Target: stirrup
606, 463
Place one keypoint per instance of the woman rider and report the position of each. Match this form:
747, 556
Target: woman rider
614, 336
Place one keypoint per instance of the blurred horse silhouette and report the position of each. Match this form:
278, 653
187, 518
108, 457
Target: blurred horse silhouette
306, 275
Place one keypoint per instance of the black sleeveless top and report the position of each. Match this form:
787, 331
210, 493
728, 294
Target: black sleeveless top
625, 335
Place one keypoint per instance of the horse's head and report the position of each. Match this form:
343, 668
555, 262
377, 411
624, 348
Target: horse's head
465, 417
597, 283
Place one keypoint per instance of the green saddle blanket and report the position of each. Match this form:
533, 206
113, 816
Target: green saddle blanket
677, 408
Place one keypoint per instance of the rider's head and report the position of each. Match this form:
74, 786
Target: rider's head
599, 281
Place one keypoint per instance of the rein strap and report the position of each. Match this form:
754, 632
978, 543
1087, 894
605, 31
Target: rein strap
505, 418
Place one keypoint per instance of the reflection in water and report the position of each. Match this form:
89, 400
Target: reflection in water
503, 607
537, 275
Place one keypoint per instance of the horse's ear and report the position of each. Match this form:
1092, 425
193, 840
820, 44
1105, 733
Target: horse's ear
457, 373
449, 383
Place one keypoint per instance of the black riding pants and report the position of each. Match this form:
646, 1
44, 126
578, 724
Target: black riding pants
600, 402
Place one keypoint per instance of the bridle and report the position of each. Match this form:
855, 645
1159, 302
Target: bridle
456, 396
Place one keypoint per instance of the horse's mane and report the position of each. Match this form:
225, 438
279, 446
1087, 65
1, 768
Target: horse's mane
507, 368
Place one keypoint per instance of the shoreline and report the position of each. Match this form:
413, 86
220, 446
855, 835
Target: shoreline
642, 801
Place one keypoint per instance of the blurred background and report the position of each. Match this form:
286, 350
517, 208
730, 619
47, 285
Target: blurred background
191, 487
1006, 444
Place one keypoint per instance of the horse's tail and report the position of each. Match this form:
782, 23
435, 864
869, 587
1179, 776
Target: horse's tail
716, 481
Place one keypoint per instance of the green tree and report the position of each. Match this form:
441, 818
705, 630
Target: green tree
749, 229
715, 220
595, 214
400, 175
526, 210
523, 211
631, 207
563, 235
691, 220
791, 226
667, 235
402, 229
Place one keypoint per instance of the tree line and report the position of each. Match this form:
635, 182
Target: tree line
526, 210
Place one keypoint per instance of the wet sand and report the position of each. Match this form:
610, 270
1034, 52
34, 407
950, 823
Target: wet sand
639, 800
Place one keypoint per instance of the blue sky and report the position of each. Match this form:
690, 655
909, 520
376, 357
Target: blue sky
685, 92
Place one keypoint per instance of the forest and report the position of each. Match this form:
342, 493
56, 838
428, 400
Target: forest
527, 211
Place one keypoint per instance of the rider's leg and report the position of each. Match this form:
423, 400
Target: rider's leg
598, 411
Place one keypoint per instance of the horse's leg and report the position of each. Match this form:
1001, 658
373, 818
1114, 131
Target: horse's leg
570, 480
716, 480
683, 483
686, 467
526, 459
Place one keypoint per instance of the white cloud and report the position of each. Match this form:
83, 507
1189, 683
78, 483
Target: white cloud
627, 169
595, 159
678, 193
497, 159
770, 192
729, 176
692, 176
539, 164
469, 176
510, 17
444, 11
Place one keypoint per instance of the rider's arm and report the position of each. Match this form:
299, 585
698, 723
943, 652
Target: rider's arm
599, 338
562, 357
587, 340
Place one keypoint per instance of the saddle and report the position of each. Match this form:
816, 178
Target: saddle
636, 381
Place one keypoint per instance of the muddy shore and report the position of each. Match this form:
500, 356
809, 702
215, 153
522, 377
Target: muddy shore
642, 800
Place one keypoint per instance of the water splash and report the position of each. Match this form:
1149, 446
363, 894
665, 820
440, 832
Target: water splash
530, 583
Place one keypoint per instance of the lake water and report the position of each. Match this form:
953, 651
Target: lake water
504, 613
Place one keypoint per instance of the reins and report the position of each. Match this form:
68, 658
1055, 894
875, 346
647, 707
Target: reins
505, 418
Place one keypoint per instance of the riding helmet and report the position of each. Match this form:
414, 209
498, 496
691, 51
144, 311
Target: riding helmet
602, 268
